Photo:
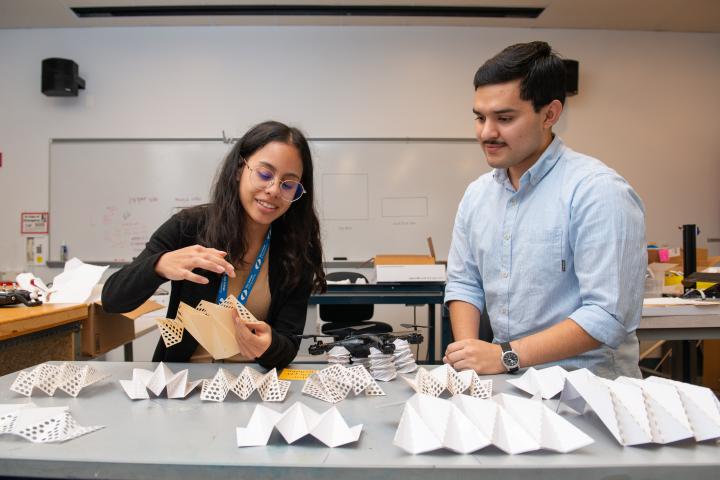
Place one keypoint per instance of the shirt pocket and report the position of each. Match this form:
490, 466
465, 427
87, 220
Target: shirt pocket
548, 251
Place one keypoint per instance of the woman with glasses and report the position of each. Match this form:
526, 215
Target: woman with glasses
258, 239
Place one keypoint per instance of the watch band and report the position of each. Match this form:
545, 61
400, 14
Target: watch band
509, 358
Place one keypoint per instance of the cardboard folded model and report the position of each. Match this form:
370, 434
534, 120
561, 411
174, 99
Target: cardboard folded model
210, 324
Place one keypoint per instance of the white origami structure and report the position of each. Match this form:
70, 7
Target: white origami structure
653, 410
176, 385
332, 384
465, 424
403, 357
68, 377
40, 425
210, 324
297, 421
444, 377
546, 382
270, 388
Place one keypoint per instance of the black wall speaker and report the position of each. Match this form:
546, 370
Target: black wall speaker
571, 76
60, 78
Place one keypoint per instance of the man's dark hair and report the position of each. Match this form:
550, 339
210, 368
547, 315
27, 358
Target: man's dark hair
541, 71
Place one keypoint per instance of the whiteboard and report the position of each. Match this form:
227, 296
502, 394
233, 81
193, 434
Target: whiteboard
373, 196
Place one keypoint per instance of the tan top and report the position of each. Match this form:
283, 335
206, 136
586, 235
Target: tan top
258, 303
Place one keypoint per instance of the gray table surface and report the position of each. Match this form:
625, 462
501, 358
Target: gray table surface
162, 438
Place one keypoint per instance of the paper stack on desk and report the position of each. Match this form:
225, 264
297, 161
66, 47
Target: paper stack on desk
210, 324
444, 377
465, 424
68, 377
41, 425
176, 385
296, 422
653, 410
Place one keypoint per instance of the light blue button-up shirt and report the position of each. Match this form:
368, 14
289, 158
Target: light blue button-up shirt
569, 243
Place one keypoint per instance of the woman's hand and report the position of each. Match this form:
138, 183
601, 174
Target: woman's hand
253, 338
179, 264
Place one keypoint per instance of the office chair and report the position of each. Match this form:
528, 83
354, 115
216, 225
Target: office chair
343, 320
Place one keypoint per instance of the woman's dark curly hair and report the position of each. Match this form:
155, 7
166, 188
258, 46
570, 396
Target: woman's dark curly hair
298, 227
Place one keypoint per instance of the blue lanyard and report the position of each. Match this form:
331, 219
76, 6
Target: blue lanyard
250, 282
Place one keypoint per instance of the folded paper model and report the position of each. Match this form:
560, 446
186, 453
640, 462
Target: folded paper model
68, 377
270, 388
465, 424
176, 385
210, 324
40, 425
437, 380
653, 410
296, 422
332, 384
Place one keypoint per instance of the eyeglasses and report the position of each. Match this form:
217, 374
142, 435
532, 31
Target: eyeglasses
262, 178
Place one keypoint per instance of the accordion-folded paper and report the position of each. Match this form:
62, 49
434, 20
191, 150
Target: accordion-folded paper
210, 324
176, 385
69, 377
444, 377
465, 424
270, 388
332, 384
654, 410
296, 422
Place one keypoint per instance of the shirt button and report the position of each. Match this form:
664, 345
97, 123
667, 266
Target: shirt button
504, 274
506, 237
503, 311
512, 202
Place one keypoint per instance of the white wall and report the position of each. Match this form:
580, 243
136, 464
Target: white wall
647, 105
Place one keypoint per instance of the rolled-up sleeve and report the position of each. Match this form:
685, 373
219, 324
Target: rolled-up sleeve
464, 280
607, 235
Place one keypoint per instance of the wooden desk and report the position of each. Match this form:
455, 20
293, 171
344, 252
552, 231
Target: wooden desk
32, 335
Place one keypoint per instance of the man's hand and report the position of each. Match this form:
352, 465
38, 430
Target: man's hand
179, 264
483, 357
253, 338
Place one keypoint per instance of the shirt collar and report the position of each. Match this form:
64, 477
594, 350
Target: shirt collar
545, 163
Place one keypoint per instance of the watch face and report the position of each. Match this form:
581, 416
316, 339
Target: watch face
510, 359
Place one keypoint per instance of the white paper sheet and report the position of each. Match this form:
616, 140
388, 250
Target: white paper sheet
546, 382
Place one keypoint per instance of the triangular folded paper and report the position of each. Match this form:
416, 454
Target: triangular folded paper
546, 382
465, 424
653, 410
176, 385
296, 422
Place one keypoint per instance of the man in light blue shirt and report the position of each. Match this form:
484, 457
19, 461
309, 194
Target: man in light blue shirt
551, 242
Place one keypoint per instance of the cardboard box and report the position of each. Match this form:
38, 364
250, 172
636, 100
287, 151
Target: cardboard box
404, 260
701, 256
103, 331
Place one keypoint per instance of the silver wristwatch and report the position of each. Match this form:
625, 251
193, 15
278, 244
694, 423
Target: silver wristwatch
509, 358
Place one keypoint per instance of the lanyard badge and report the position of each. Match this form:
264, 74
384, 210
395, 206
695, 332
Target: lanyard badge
250, 282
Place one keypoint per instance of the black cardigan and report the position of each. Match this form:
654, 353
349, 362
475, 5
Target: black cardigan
129, 287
